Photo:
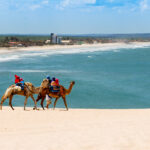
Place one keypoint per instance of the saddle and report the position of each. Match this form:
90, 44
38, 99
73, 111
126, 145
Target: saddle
54, 89
20, 85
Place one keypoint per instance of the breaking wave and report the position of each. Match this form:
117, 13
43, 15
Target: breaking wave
15, 56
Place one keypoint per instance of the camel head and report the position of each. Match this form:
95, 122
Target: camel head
72, 82
45, 83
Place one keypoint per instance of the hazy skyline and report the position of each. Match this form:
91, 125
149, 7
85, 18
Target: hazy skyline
74, 16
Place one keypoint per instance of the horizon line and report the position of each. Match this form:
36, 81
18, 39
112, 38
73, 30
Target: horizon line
73, 33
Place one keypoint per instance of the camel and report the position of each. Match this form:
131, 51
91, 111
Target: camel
62, 93
28, 91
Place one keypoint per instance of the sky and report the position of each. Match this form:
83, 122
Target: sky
74, 16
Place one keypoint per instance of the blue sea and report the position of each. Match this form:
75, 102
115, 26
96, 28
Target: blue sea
112, 77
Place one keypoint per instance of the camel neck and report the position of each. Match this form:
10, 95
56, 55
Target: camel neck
36, 90
69, 89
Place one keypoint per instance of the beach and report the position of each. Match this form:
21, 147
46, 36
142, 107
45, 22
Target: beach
76, 129
4, 50
108, 106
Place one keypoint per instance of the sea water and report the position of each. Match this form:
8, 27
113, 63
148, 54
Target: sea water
106, 77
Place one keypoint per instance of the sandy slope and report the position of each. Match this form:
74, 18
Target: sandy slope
75, 129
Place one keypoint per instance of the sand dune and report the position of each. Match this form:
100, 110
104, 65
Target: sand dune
76, 129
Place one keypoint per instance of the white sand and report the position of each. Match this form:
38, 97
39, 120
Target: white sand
75, 129
54, 47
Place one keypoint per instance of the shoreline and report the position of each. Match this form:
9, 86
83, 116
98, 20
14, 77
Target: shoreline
82, 129
4, 50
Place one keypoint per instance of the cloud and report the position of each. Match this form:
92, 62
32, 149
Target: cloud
117, 5
92, 8
64, 3
21, 5
74, 3
33, 7
45, 2
143, 5
39, 4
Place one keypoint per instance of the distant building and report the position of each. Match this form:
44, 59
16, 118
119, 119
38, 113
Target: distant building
55, 39
58, 40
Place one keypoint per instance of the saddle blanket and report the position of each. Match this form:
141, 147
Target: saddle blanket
55, 88
18, 88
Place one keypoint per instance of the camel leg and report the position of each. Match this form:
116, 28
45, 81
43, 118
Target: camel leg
55, 102
42, 102
2, 101
10, 101
38, 98
64, 98
34, 102
25, 102
48, 103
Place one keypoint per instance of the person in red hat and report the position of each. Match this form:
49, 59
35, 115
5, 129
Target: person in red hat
57, 82
17, 79
19, 82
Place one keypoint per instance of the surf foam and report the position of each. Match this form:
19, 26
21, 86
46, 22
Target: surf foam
15, 56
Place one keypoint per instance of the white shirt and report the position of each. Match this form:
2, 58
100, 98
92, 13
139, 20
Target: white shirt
47, 97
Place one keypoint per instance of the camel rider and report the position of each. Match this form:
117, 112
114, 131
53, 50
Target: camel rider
52, 84
18, 82
57, 82
22, 83
48, 78
48, 98
17, 79
55, 85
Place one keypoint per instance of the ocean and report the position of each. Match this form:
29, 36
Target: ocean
109, 77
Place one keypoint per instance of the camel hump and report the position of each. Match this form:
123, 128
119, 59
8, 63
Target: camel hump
45, 83
28, 84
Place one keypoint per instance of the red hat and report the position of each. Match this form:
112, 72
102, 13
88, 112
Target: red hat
57, 81
16, 76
